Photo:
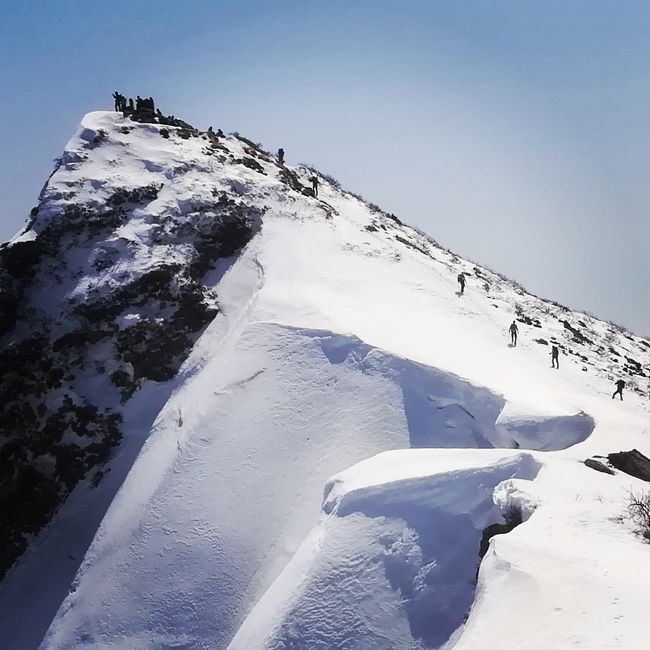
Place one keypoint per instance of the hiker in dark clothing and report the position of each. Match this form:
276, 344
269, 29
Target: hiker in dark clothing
461, 281
219, 133
555, 357
131, 107
212, 136
116, 97
514, 330
281, 156
138, 103
314, 184
620, 385
151, 104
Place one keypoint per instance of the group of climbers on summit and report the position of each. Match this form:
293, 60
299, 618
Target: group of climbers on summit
144, 110
128, 106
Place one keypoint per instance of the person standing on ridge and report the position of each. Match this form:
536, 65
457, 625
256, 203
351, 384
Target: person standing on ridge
461, 281
118, 101
514, 330
314, 184
620, 385
281, 156
555, 357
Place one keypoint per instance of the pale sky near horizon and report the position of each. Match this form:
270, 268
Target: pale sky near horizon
514, 132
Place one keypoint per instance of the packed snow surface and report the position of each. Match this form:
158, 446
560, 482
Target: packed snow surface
339, 438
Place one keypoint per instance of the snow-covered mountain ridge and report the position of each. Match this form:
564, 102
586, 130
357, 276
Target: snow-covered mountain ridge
189, 293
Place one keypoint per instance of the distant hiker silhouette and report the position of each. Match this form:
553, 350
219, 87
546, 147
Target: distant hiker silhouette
314, 184
461, 281
620, 385
555, 357
281, 156
120, 101
131, 107
138, 103
219, 133
514, 330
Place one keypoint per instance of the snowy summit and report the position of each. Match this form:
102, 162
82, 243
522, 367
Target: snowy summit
245, 409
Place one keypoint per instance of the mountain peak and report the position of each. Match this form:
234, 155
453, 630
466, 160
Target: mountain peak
199, 337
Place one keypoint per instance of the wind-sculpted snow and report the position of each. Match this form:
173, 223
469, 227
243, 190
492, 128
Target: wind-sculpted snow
318, 333
397, 545
442, 410
546, 433
271, 464
267, 457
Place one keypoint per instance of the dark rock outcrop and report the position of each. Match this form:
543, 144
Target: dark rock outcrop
631, 462
513, 517
598, 466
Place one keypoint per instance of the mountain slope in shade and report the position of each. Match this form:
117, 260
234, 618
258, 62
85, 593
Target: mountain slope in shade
282, 342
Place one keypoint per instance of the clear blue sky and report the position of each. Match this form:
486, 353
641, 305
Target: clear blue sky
515, 132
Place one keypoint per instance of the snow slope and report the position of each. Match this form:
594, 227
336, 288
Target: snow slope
340, 336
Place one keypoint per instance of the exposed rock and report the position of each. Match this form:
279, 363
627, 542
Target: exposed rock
578, 336
513, 517
598, 466
632, 462
52, 434
412, 245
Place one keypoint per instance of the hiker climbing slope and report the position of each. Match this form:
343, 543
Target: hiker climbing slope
281, 156
314, 184
620, 385
461, 281
555, 357
514, 331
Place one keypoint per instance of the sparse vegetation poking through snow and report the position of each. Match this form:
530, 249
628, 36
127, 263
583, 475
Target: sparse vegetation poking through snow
426, 236
256, 147
638, 508
328, 177
513, 516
